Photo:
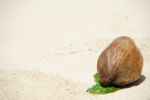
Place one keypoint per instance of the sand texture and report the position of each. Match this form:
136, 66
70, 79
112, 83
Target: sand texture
49, 48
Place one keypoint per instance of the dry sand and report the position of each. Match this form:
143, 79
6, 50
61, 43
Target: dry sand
49, 49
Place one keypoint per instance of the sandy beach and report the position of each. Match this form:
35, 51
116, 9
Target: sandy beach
49, 49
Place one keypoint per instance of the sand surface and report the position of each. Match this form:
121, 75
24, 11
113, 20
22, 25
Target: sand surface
49, 49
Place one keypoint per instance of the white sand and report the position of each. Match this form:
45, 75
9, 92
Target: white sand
49, 49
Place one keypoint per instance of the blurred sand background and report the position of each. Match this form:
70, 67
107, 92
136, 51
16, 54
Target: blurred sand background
49, 48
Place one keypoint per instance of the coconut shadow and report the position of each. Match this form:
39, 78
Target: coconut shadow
136, 83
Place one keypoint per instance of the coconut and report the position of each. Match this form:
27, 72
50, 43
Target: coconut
120, 63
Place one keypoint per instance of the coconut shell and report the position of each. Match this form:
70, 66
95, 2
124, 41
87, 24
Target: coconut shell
120, 63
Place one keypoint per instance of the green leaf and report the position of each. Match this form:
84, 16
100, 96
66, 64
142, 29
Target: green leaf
99, 89
96, 78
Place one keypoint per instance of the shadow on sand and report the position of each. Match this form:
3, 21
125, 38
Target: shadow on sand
136, 83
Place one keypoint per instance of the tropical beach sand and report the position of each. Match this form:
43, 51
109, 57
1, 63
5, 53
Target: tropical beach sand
49, 49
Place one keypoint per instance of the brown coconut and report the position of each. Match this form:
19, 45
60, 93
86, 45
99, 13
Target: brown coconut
120, 63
